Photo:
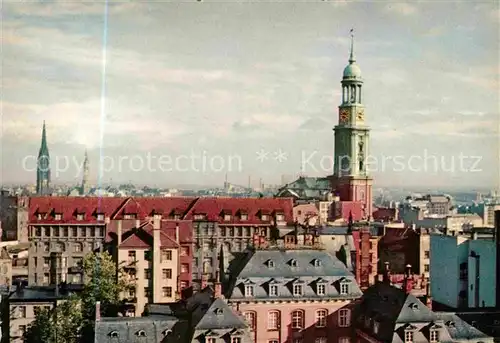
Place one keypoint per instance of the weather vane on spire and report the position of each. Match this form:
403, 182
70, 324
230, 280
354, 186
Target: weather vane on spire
351, 57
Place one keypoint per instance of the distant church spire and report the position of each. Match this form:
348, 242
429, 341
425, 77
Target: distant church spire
352, 59
43, 166
85, 177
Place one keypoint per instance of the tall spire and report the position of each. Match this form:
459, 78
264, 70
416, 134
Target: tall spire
85, 177
43, 166
352, 59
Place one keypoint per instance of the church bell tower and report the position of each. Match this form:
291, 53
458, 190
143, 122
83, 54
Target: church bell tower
350, 179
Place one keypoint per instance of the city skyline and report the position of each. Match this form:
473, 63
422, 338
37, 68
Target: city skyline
230, 82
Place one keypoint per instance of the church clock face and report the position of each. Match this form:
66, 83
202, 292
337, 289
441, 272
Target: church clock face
344, 116
361, 114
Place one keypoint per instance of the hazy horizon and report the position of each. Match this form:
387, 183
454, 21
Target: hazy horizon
195, 90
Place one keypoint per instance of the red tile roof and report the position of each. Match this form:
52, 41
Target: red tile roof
143, 208
69, 207
143, 238
214, 208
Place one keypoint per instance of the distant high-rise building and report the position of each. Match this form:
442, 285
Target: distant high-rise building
85, 177
43, 167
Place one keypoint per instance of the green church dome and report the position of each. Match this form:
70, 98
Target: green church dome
352, 71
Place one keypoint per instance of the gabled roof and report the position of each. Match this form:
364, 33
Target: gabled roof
143, 238
223, 319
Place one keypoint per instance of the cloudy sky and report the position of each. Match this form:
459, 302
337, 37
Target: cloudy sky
252, 87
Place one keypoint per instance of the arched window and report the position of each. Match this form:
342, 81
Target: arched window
273, 320
251, 318
298, 319
321, 318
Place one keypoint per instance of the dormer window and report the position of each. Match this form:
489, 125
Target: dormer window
409, 336
321, 288
298, 290
316, 262
199, 216
243, 216
414, 306
280, 217
79, 216
434, 336
270, 264
141, 333
293, 263
227, 217
113, 334
249, 290
58, 216
218, 311
273, 290
129, 216
344, 287
157, 216
100, 216
264, 217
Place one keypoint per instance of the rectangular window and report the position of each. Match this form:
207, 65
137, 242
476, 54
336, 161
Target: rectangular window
167, 292
249, 291
131, 255
434, 336
273, 290
344, 288
47, 232
273, 320
147, 255
211, 340
321, 289
100, 216
184, 251
184, 268
22, 311
147, 292
426, 267
65, 232
166, 255
297, 290
56, 232
231, 232
236, 340
409, 336
167, 274
74, 232
426, 254
83, 231
147, 274
46, 262
344, 318
222, 231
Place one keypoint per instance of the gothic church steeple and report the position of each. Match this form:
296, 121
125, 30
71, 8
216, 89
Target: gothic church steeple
43, 166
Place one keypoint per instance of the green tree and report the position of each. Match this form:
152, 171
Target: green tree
60, 324
71, 321
103, 282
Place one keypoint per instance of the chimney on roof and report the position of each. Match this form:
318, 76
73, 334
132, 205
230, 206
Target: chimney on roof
408, 280
217, 286
119, 231
97, 311
177, 238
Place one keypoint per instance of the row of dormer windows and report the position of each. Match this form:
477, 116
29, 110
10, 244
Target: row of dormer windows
297, 289
294, 263
59, 216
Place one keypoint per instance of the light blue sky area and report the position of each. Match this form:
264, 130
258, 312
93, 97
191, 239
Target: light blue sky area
233, 78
